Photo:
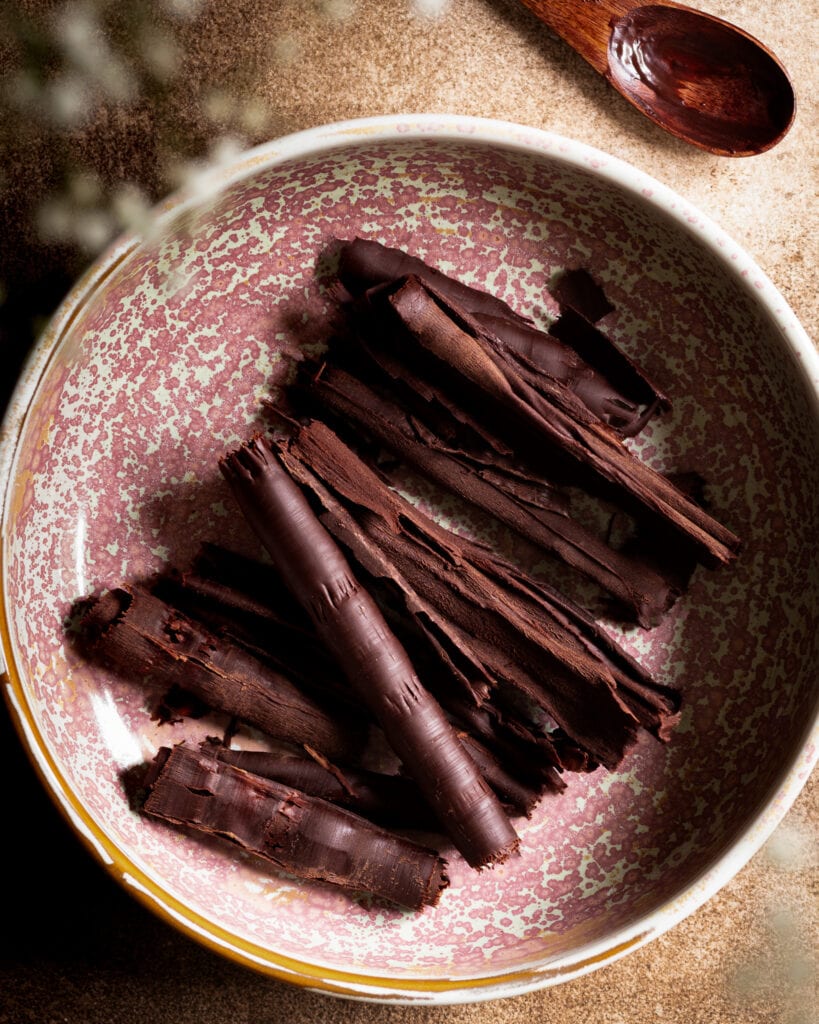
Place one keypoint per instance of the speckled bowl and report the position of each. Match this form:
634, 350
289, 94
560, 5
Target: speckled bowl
157, 362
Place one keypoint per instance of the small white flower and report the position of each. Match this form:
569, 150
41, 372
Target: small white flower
93, 229
78, 32
219, 105
254, 115
159, 52
188, 175
791, 848
68, 100
54, 219
286, 50
132, 209
196, 177
225, 150
337, 10
185, 10
429, 8
83, 41
84, 188
115, 78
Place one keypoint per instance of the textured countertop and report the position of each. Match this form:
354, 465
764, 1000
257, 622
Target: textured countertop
104, 108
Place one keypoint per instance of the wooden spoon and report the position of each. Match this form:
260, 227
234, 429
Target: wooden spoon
699, 77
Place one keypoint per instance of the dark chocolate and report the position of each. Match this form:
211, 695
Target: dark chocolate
392, 801
135, 632
521, 797
642, 593
655, 706
574, 688
380, 795
280, 636
353, 628
520, 684
594, 347
550, 415
300, 834
576, 289
364, 263
610, 384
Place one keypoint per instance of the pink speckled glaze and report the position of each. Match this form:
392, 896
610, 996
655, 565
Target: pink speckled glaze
157, 364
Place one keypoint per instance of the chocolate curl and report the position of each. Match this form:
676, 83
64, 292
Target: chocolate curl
552, 416
642, 592
594, 347
462, 679
353, 628
364, 263
281, 636
605, 379
226, 588
472, 705
263, 593
545, 353
134, 632
387, 800
529, 754
577, 290
655, 706
582, 303
521, 797
576, 690
391, 801
300, 834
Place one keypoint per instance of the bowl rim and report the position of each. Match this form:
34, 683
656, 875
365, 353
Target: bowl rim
374, 988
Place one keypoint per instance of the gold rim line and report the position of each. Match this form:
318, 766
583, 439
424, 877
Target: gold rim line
104, 849
153, 896
213, 936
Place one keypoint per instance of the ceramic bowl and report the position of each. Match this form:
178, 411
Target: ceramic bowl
158, 361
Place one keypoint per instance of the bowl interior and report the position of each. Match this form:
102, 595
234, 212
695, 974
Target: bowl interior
163, 366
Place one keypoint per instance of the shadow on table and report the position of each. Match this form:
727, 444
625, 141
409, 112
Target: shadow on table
79, 949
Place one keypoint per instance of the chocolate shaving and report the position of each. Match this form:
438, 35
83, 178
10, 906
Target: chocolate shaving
364, 263
642, 593
387, 800
300, 834
655, 706
575, 689
134, 632
548, 416
276, 633
608, 382
576, 289
521, 797
353, 628
594, 347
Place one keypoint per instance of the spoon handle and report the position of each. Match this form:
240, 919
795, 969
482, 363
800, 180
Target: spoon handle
584, 24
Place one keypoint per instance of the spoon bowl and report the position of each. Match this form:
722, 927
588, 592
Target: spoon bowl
700, 78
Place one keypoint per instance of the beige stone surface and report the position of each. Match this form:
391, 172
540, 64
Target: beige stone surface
208, 76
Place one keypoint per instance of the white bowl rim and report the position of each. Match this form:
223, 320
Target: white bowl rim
324, 139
